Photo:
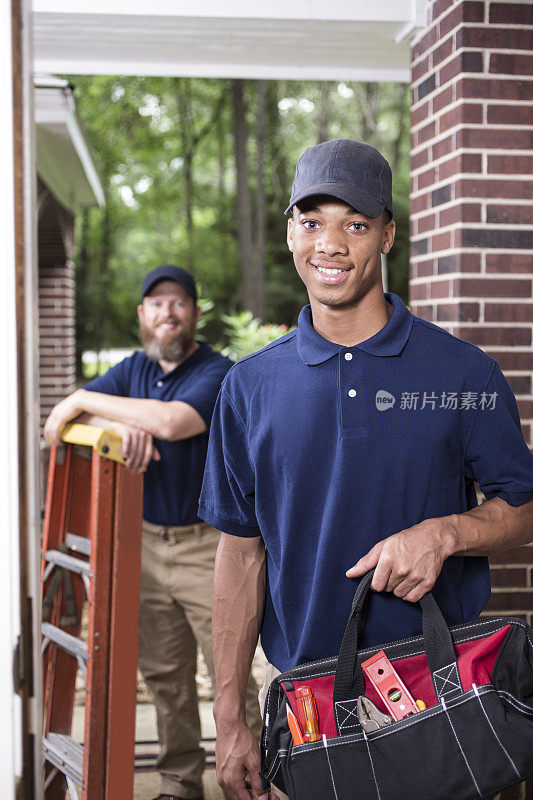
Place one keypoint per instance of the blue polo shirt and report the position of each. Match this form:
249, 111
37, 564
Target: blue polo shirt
324, 450
172, 485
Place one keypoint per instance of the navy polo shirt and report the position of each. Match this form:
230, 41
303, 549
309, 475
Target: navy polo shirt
172, 485
324, 450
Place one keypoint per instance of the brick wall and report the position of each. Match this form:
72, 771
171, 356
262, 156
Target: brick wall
472, 205
57, 348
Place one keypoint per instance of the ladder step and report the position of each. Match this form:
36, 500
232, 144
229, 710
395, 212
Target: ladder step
69, 562
65, 754
81, 544
65, 641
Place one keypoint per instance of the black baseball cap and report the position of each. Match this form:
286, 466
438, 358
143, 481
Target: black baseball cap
354, 172
169, 272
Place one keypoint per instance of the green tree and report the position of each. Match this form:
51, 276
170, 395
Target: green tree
167, 152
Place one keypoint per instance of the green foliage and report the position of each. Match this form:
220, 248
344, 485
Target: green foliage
247, 335
243, 333
95, 368
165, 154
208, 311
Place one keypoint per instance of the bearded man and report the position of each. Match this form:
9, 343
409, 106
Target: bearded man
161, 401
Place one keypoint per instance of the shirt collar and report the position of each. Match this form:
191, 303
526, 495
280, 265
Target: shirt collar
389, 341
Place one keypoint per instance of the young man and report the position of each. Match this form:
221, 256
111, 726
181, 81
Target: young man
351, 443
161, 401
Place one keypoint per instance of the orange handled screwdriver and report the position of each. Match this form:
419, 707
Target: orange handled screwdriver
308, 713
294, 727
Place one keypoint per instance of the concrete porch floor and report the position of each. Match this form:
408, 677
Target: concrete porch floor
146, 784
146, 778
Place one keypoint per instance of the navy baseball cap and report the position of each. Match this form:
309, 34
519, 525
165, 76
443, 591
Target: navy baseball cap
169, 272
354, 172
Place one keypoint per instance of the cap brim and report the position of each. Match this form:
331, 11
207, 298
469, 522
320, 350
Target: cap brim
164, 275
149, 286
355, 197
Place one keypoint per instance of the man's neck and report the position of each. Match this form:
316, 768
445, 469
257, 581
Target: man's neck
350, 326
168, 366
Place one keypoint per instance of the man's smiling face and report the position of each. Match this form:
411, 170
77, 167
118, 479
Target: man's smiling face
337, 250
168, 316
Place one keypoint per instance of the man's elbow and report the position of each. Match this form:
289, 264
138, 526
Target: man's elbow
168, 430
174, 427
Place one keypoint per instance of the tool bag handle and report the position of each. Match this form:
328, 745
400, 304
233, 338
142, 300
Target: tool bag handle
438, 643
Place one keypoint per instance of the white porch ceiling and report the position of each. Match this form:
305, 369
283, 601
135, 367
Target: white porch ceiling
302, 39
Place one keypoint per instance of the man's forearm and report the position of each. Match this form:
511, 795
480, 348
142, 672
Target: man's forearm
238, 603
97, 420
139, 413
492, 526
165, 420
409, 562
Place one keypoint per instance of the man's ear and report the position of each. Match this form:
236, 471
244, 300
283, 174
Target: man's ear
290, 229
387, 236
140, 312
198, 313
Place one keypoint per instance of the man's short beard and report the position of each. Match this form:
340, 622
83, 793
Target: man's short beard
171, 351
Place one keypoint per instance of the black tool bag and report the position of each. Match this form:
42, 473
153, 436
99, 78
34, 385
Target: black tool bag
474, 738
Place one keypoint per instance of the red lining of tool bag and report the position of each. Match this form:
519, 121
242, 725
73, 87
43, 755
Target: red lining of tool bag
476, 661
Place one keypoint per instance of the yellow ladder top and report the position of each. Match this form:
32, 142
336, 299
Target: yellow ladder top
106, 443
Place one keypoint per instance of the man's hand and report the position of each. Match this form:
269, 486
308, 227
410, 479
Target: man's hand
238, 764
138, 446
409, 562
63, 412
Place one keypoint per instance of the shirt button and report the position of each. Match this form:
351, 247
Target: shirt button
348, 356
352, 392
159, 383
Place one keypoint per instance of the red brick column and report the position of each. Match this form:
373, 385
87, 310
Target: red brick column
472, 204
57, 346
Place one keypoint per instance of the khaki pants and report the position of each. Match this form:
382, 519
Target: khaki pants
174, 619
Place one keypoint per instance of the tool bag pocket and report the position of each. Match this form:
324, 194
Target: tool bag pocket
474, 738
461, 750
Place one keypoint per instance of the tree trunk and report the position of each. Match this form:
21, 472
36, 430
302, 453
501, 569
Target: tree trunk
82, 265
244, 205
187, 152
188, 208
102, 314
323, 112
261, 204
402, 90
221, 159
368, 108
280, 182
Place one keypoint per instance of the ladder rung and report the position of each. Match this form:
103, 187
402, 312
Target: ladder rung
69, 562
67, 642
65, 754
80, 544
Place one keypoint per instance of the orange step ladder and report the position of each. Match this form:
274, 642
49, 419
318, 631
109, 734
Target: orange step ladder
91, 555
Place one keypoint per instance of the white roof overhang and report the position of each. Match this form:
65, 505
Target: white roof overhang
63, 159
302, 39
